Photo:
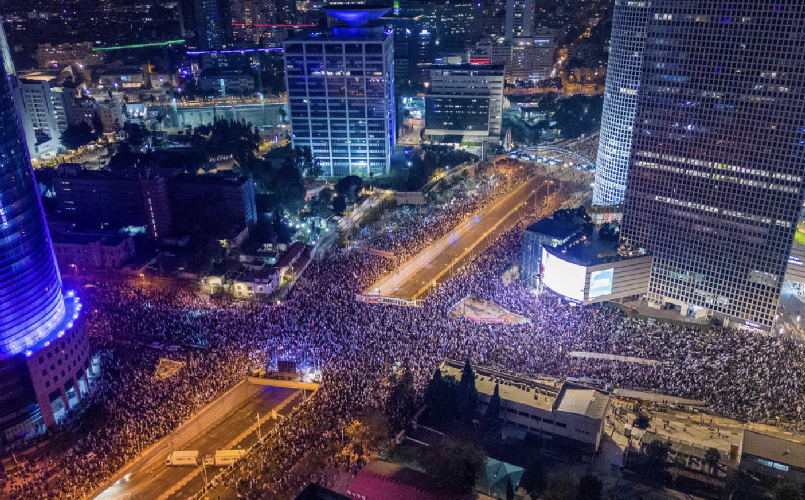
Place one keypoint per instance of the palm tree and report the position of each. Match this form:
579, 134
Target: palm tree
678, 463
712, 457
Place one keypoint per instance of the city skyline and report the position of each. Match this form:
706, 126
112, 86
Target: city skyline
520, 249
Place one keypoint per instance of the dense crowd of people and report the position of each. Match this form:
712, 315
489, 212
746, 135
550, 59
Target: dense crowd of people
410, 229
737, 373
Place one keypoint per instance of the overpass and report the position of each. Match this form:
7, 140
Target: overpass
554, 151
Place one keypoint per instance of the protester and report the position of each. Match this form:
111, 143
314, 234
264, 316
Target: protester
737, 373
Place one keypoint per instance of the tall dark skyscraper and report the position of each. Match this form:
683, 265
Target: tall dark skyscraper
717, 169
212, 23
43, 358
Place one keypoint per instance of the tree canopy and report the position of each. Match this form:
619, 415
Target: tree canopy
78, 135
454, 465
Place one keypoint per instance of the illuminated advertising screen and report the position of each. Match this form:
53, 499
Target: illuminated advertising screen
563, 277
601, 283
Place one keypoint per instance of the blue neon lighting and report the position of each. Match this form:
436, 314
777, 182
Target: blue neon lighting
31, 302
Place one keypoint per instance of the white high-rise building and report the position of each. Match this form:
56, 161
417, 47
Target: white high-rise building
341, 94
629, 22
465, 99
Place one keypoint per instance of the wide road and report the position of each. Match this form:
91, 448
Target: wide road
415, 278
228, 421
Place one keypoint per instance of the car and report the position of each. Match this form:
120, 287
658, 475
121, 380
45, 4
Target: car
173, 348
155, 345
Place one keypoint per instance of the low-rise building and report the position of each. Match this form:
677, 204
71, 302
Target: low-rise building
110, 115
226, 82
79, 251
286, 262
256, 284
771, 457
581, 262
572, 418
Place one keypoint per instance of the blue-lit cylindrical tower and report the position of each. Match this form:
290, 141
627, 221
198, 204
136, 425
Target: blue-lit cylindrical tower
629, 25
31, 301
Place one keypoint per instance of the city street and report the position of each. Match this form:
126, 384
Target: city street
414, 278
228, 422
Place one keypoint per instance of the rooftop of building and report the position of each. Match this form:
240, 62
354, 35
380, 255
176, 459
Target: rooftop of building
380, 479
560, 229
293, 253
468, 67
357, 15
358, 34
223, 178
87, 238
587, 245
582, 401
773, 448
510, 388
589, 251
264, 275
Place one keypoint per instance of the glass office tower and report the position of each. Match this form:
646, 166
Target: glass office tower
716, 177
629, 23
341, 94
37, 333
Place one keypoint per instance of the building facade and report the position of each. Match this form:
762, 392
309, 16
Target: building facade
532, 58
36, 319
629, 24
164, 202
92, 252
519, 18
212, 19
465, 99
716, 179
341, 96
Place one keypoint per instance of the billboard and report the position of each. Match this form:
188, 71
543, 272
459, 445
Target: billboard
601, 283
562, 277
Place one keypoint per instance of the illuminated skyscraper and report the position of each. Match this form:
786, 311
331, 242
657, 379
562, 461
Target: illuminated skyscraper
717, 170
341, 93
213, 21
519, 18
629, 23
36, 320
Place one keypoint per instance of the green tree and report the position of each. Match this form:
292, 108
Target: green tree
440, 396
534, 478
787, 491
77, 136
641, 421
339, 205
402, 397
590, 488
493, 409
137, 135
559, 487
349, 187
467, 394
367, 434
455, 466
712, 457
97, 124
288, 189
657, 454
